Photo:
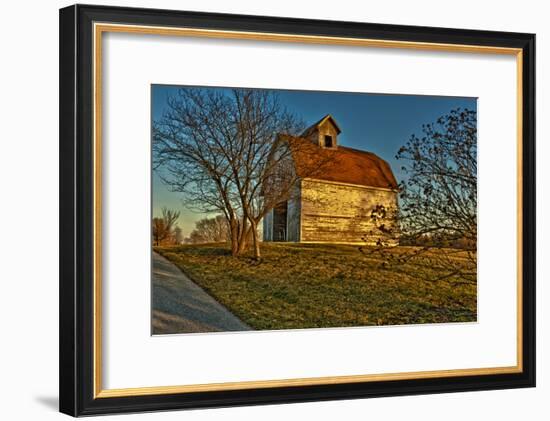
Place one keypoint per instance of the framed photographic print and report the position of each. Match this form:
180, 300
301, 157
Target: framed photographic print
266, 210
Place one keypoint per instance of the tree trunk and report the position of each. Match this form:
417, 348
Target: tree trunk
255, 240
234, 229
243, 237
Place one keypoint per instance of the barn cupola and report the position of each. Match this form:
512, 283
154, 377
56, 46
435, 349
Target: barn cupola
324, 133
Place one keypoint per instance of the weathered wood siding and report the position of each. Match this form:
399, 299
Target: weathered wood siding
333, 212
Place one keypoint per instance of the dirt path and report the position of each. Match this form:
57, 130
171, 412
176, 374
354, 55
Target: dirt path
181, 306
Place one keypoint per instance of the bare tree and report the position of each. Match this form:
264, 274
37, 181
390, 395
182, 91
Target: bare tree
159, 232
163, 226
224, 152
438, 199
211, 230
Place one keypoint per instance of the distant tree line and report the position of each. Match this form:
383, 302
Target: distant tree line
210, 230
207, 230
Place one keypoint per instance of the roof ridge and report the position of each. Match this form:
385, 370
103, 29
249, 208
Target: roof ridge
356, 150
364, 152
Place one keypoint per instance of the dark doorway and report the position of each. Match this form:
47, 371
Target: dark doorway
279, 222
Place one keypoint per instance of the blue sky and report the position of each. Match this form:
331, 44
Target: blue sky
377, 123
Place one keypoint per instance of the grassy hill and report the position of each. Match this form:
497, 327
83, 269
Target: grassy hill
311, 285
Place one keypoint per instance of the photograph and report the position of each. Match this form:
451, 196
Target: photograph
292, 209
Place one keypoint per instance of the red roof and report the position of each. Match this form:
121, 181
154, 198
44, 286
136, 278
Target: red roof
342, 165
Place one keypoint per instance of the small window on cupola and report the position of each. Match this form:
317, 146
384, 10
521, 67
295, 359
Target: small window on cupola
328, 141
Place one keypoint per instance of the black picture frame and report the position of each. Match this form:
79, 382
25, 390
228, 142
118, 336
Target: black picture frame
76, 292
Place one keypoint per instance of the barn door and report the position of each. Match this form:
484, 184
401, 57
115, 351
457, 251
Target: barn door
279, 221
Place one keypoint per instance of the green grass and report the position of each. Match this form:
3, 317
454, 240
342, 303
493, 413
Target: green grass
309, 286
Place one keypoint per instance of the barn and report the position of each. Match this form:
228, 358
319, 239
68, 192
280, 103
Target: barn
334, 204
